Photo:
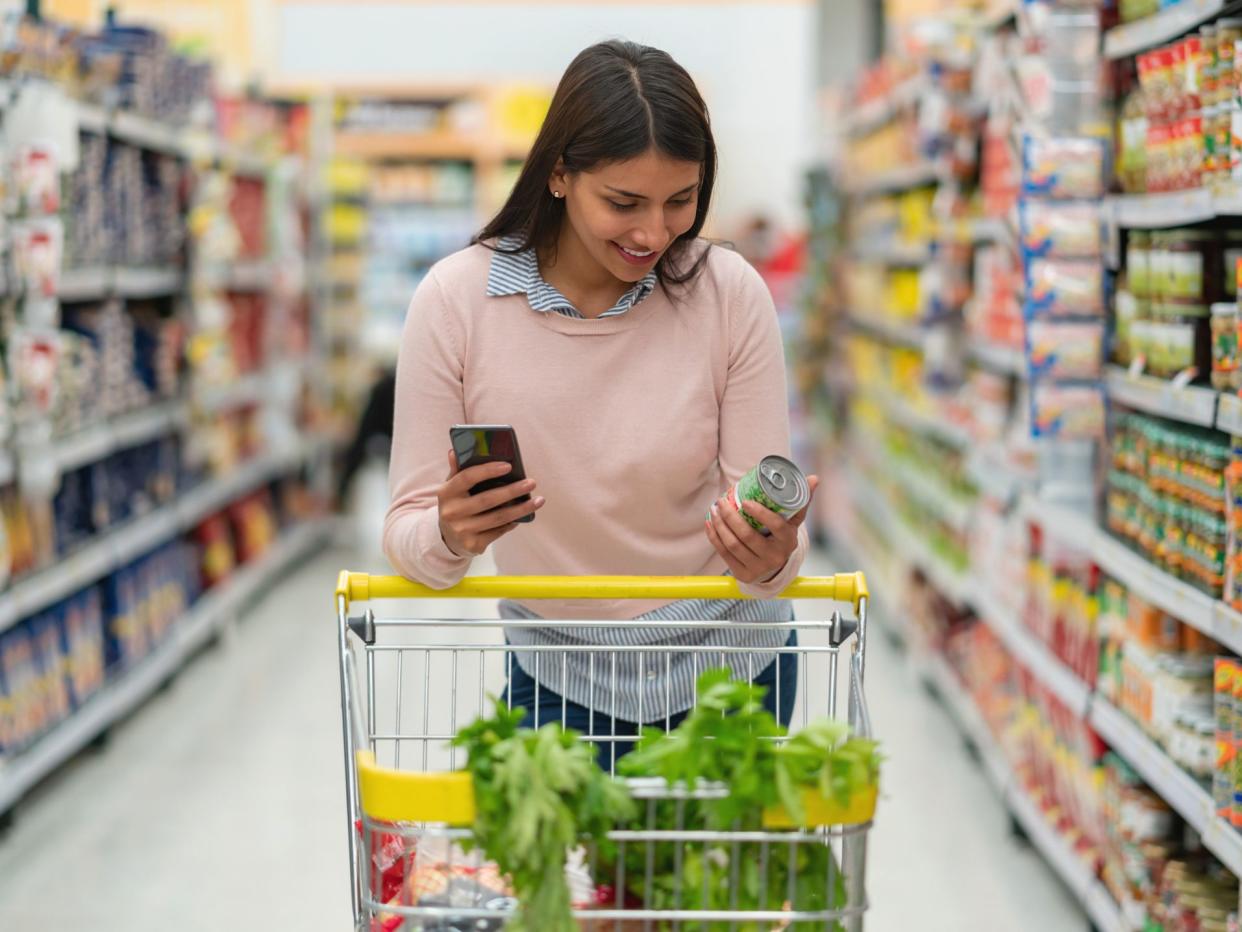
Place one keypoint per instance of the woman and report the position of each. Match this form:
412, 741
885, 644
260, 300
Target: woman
643, 371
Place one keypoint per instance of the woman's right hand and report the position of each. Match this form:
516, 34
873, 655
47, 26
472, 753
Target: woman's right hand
468, 524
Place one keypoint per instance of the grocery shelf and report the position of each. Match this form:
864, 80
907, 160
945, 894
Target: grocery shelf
139, 282
118, 546
994, 476
1007, 360
903, 178
875, 113
147, 133
922, 422
1178, 788
118, 433
950, 583
1152, 584
1091, 894
84, 284
908, 335
951, 508
250, 275
1189, 404
894, 253
1172, 208
1168, 24
249, 389
95, 283
132, 687
1034, 655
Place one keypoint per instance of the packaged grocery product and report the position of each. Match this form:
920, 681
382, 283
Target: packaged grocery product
83, 633
1061, 229
36, 174
1067, 411
1065, 349
1225, 673
1064, 287
19, 681
38, 247
1182, 340
1063, 167
1226, 364
1125, 315
1138, 264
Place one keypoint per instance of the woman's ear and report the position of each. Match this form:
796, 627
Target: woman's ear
558, 181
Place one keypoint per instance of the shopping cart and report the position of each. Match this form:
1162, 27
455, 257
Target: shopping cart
409, 683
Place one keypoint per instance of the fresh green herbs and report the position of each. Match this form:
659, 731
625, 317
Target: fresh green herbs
537, 794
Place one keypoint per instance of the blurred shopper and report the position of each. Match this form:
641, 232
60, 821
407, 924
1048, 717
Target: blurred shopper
642, 369
373, 438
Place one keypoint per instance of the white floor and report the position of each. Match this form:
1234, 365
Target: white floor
220, 805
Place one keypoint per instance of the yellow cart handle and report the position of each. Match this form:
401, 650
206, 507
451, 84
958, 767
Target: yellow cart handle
362, 587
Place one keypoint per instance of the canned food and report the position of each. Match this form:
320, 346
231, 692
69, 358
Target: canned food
776, 484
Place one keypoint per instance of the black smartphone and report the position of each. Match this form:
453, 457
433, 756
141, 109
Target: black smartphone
478, 444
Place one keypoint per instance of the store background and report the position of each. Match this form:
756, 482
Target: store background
200, 293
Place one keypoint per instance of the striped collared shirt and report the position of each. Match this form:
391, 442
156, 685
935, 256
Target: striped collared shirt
518, 273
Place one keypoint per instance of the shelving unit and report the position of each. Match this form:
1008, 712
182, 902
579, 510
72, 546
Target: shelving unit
1189, 404
907, 335
1095, 899
1172, 208
893, 253
876, 113
1006, 360
120, 545
215, 609
180, 283
903, 178
1129, 38
97, 441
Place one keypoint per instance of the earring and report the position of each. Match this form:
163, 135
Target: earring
558, 194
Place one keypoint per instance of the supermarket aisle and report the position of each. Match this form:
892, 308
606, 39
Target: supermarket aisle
219, 806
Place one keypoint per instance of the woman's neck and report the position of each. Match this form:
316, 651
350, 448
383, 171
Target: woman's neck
590, 287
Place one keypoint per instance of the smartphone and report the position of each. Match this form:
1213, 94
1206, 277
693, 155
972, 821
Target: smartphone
477, 444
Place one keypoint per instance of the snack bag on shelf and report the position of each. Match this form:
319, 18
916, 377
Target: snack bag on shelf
1065, 350
1065, 288
1067, 411
1063, 168
1060, 229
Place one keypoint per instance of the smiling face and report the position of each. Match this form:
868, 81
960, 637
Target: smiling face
623, 216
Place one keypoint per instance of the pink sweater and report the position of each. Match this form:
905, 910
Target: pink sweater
631, 426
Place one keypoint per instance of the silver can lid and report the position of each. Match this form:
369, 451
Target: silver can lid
784, 483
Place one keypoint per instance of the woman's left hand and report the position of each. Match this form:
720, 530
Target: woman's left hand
753, 557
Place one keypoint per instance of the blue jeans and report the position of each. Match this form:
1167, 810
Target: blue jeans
521, 691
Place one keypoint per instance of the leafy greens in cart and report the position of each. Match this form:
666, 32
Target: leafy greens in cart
539, 794
536, 794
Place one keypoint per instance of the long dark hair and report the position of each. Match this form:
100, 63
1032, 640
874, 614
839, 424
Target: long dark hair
616, 100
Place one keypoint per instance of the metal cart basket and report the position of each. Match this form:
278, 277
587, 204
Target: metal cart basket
408, 684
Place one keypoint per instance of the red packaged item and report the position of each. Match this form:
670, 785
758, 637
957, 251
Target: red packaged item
393, 857
217, 559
